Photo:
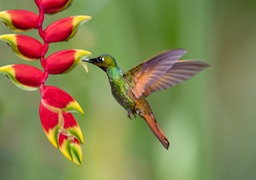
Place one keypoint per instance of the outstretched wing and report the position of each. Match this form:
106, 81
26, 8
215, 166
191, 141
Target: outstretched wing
179, 72
147, 73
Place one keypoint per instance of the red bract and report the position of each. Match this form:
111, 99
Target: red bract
49, 119
19, 20
64, 60
24, 46
64, 29
24, 76
54, 6
57, 99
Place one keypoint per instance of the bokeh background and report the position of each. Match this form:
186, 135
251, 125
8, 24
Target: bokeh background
210, 119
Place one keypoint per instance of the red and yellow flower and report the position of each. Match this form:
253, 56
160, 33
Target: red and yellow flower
25, 47
59, 124
24, 76
19, 20
53, 6
64, 29
65, 60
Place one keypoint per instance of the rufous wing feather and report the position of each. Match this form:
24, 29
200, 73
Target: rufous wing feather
179, 72
145, 74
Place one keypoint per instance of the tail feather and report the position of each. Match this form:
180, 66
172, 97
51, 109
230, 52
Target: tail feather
155, 128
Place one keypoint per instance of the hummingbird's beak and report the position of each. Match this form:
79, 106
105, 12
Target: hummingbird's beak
91, 60
86, 60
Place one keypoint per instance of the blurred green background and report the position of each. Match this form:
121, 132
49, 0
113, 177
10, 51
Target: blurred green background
210, 119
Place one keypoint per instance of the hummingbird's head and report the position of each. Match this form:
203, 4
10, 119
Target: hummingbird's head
104, 61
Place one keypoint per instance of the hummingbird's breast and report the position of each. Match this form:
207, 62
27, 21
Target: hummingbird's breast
120, 91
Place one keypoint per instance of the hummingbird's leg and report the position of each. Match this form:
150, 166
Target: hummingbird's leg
129, 114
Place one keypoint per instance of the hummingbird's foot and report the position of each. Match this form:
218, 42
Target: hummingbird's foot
130, 115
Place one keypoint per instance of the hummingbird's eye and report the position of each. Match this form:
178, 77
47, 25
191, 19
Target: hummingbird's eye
101, 59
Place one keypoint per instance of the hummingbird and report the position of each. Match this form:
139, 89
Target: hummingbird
131, 88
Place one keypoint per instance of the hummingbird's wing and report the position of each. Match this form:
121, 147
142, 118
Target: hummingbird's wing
179, 72
147, 73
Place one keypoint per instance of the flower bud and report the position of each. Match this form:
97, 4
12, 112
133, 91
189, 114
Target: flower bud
24, 76
64, 29
19, 20
54, 6
65, 60
56, 100
25, 47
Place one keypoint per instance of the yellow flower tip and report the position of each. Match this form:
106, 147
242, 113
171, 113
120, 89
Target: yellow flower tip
77, 22
72, 151
7, 69
64, 148
81, 138
74, 106
10, 38
52, 136
81, 19
10, 72
76, 131
5, 16
77, 154
81, 53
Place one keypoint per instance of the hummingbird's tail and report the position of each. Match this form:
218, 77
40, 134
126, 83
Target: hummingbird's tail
155, 128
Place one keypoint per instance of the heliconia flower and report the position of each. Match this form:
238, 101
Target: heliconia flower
24, 76
63, 132
19, 20
54, 6
26, 47
65, 60
64, 29
56, 99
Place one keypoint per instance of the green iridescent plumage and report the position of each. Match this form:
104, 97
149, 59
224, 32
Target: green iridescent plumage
130, 89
